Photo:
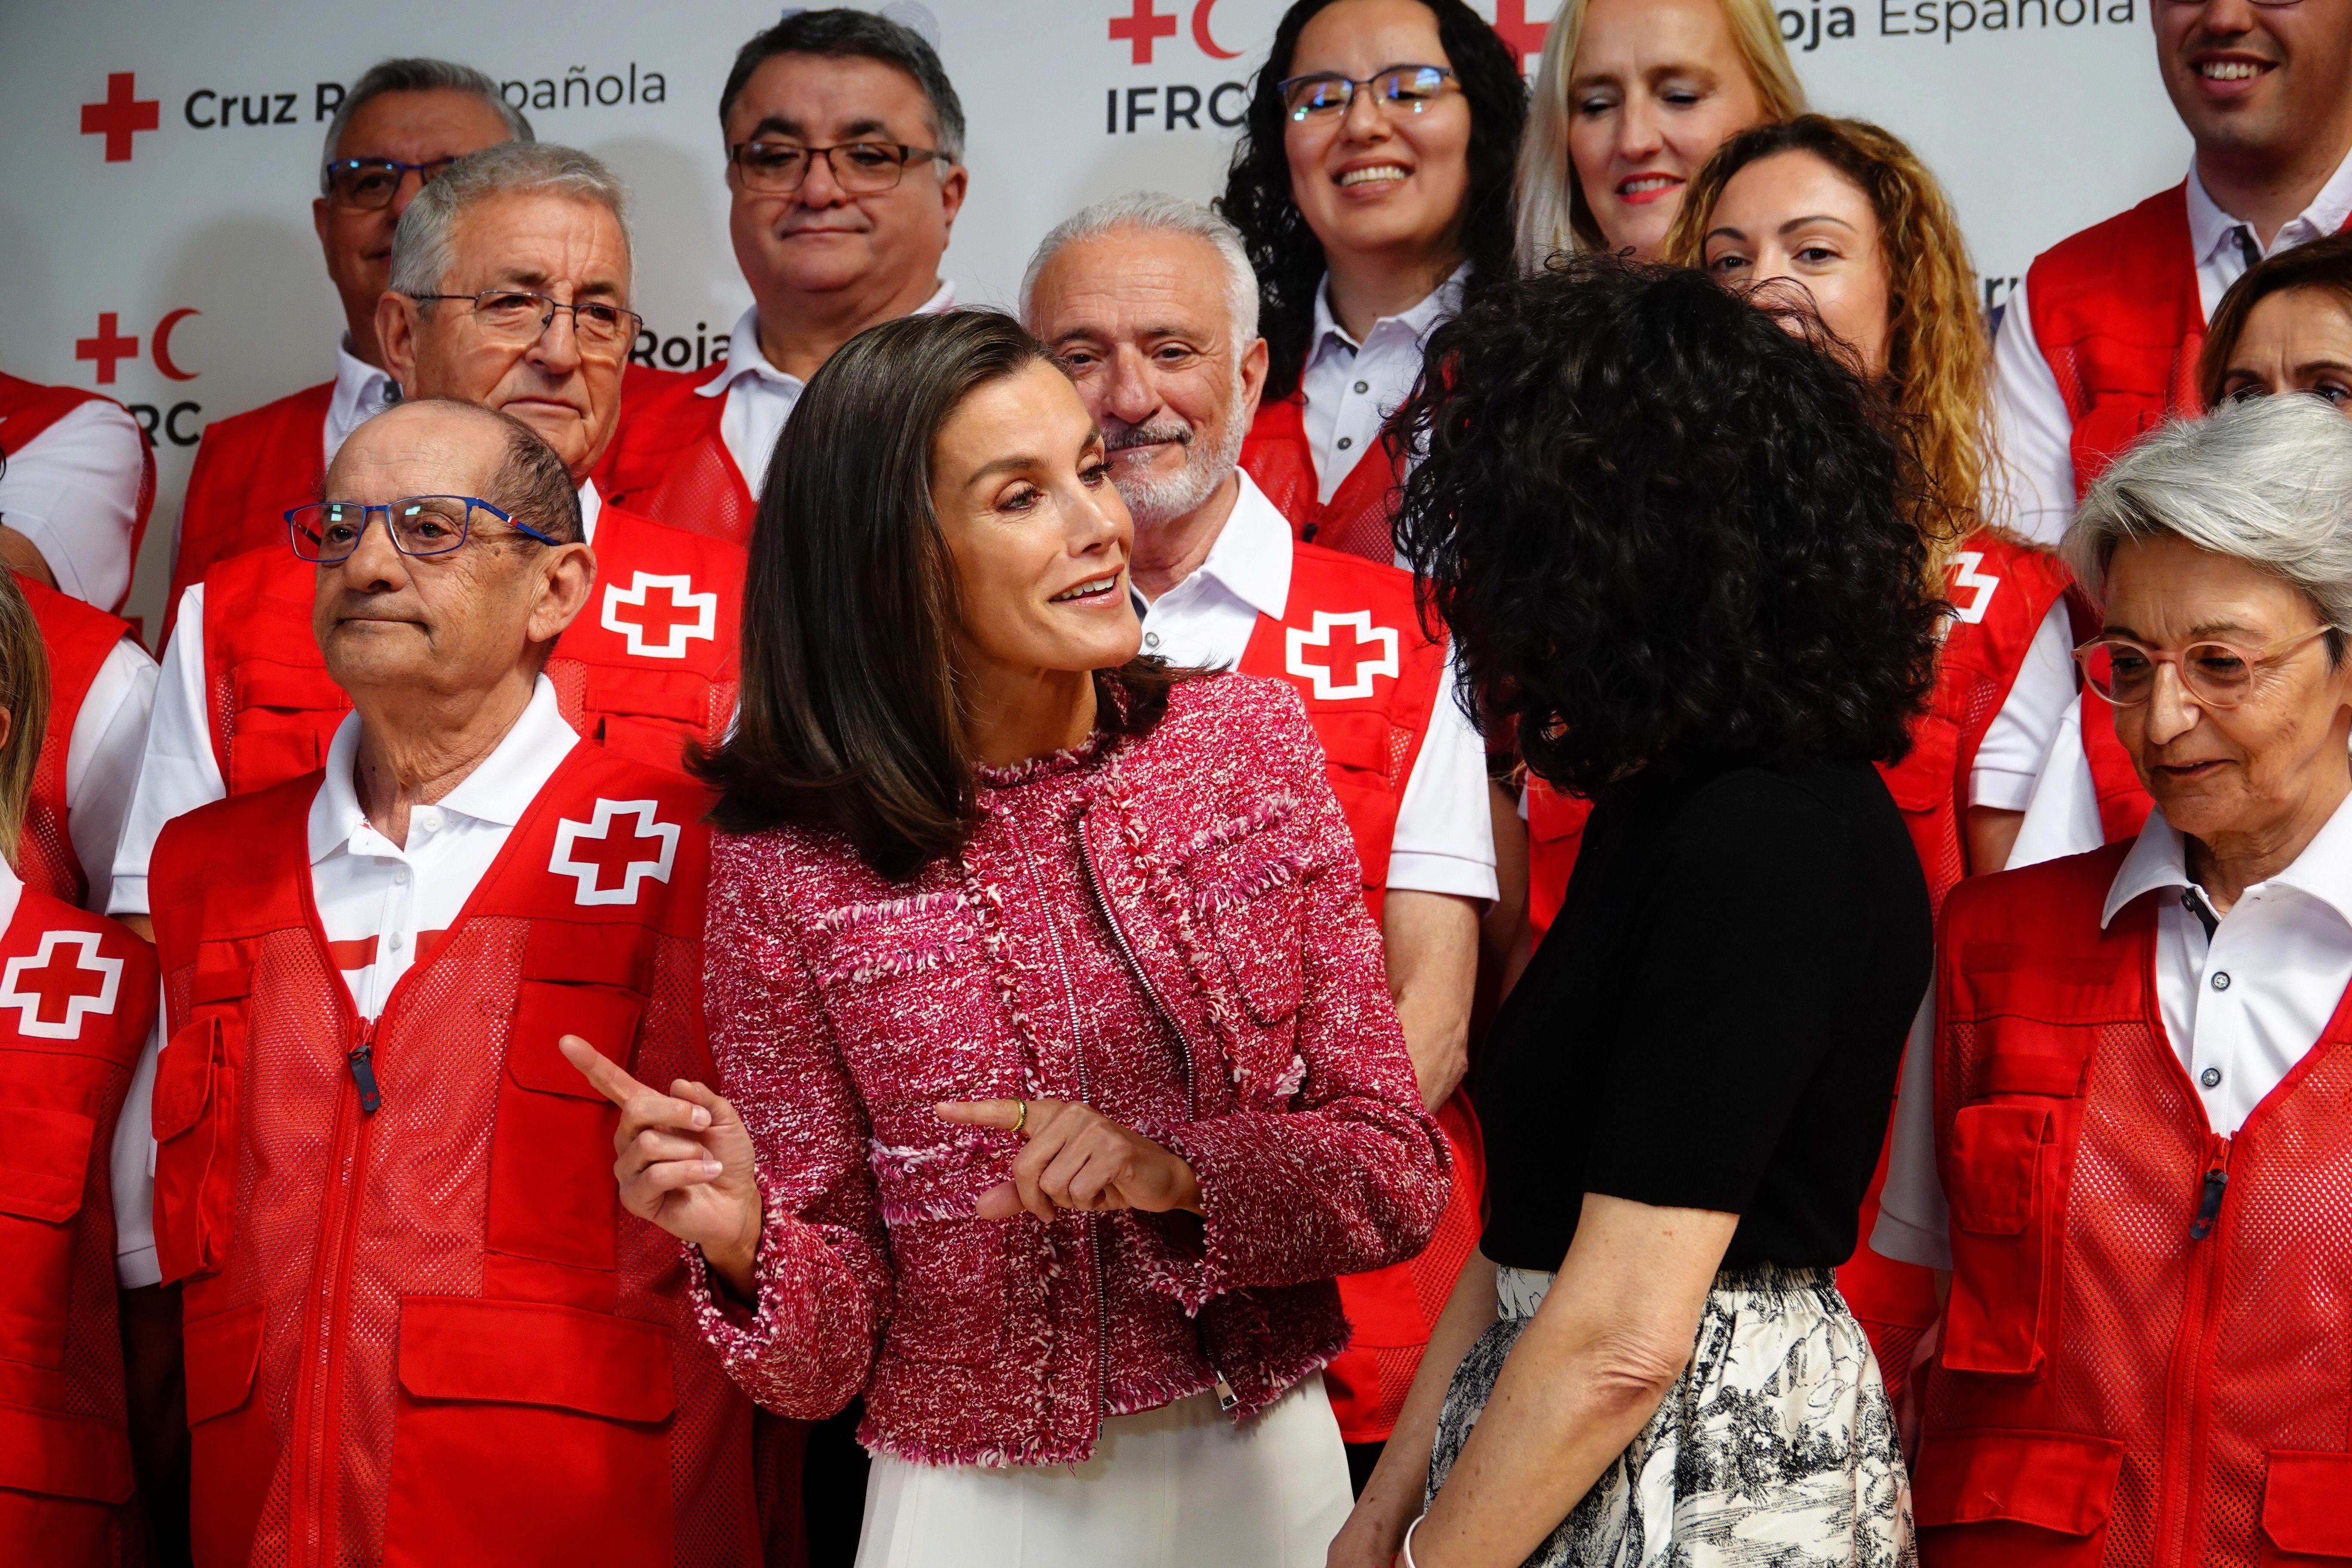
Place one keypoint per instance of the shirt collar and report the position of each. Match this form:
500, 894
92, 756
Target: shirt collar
361, 390
2158, 862
2210, 229
744, 357
1421, 321
1251, 556
498, 792
592, 507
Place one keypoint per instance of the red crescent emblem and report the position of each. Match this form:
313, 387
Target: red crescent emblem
163, 345
1200, 32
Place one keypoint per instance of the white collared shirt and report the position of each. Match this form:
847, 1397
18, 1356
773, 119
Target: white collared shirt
2240, 1009
362, 392
178, 770
1444, 839
1351, 388
2031, 427
73, 490
761, 398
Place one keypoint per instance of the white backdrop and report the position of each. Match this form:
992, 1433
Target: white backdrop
2042, 115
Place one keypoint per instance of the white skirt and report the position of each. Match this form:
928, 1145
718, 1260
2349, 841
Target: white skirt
1176, 1486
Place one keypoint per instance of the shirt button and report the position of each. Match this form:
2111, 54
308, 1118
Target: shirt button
400, 878
398, 942
1152, 639
1363, 386
1346, 442
2210, 1078
2220, 980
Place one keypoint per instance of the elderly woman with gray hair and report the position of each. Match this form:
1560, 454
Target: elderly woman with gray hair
2143, 1084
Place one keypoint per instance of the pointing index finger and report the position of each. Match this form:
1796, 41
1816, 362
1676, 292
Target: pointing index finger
601, 1071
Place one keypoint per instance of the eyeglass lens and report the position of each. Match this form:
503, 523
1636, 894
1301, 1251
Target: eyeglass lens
860, 166
1405, 89
2214, 672
370, 183
330, 530
512, 315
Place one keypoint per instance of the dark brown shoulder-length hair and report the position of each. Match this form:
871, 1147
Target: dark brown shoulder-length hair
850, 711
2324, 264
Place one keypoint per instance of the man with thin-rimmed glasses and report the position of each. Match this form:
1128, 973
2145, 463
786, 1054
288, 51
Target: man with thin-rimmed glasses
845, 149
402, 123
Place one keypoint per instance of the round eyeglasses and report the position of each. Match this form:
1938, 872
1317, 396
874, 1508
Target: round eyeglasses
861, 168
2216, 674
327, 531
1397, 89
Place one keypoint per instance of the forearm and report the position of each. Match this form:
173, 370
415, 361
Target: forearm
1393, 1495
1991, 835
1431, 943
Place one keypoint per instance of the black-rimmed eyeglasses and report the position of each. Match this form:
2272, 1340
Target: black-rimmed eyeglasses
860, 168
327, 531
368, 185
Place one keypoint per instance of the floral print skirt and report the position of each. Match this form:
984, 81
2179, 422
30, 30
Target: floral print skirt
1777, 1446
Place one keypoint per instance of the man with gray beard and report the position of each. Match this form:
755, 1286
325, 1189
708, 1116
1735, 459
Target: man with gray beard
1149, 305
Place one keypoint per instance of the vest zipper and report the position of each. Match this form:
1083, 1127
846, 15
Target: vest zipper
2185, 1427
362, 1061
323, 1361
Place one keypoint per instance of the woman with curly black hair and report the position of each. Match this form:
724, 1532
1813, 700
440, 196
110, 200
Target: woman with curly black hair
1373, 188
1672, 539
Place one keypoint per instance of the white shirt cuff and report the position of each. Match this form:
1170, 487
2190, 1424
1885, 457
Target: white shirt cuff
136, 1268
1999, 790
1906, 1242
1424, 871
129, 897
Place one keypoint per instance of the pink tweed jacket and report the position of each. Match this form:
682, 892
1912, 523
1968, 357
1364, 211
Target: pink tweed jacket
1207, 863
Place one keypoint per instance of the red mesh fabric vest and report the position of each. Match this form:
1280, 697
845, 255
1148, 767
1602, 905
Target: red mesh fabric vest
1351, 644
1555, 833
79, 639
648, 666
2147, 1355
28, 408
77, 998
1356, 520
249, 468
668, 461
428, 1333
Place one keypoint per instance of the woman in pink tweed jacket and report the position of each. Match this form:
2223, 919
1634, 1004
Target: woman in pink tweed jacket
1038, 974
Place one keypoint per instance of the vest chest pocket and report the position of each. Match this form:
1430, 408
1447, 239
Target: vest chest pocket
2001, 1182
283, 720
196, 1116
44, 1172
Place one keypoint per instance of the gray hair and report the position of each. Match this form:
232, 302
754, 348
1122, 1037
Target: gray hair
1154, 211
2267, 482
422, 245
416, 75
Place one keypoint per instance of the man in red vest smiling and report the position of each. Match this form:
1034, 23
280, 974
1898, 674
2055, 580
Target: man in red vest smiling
512, 280
1149, 303
2099, 342
402, 123
429, 1333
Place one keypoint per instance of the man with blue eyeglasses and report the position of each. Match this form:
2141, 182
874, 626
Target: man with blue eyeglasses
401, 124
429, 1333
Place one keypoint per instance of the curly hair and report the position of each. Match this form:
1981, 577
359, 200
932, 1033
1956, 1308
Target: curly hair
1938, 354
1283, 251
1668, 533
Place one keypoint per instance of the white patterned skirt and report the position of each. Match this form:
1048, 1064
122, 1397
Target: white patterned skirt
1777, 1446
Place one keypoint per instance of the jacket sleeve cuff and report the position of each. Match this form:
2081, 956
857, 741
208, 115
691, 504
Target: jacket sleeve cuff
761, 1343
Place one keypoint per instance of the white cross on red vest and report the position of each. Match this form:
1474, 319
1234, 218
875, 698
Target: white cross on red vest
53, 991
1351, 663
610, 866
670, 614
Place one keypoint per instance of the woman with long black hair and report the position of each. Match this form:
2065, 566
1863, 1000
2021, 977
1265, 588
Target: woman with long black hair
1672, 540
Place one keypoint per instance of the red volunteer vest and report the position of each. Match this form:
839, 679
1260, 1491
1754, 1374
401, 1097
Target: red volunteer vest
28, 408
1356, 520
77, 998
79, 639
1351, 646
648, 666
1555, 833
250, 467
2147, 1357
667, 460
422, 1331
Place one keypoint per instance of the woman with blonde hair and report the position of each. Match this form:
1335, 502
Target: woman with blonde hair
1836, 221
1630, 98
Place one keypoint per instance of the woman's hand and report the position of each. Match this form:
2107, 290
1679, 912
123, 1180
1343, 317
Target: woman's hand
1076, 1158
685, 1163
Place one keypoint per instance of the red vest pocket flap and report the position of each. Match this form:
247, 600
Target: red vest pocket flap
545, 1011
534, 1353
183, 1078
222, 984
44, 1161
297, 690
1996, 1153
55, 1455
679, 696
2059, 1481
2307, 1504
223, 1352
596, 953
1352, 739
2003, 978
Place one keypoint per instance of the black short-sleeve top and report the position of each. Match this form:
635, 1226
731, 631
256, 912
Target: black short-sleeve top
1716, 1018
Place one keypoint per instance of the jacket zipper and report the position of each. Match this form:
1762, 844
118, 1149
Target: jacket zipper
2186, 1426
323, 1360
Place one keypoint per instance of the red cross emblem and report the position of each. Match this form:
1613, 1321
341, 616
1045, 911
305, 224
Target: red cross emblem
122, 112
590, 852
51, 991
1511, 25
109, 346
1965, 576
660, 630
1351, 665
1140, 29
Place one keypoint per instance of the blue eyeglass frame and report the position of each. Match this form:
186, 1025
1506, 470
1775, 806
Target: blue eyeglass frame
368, 509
